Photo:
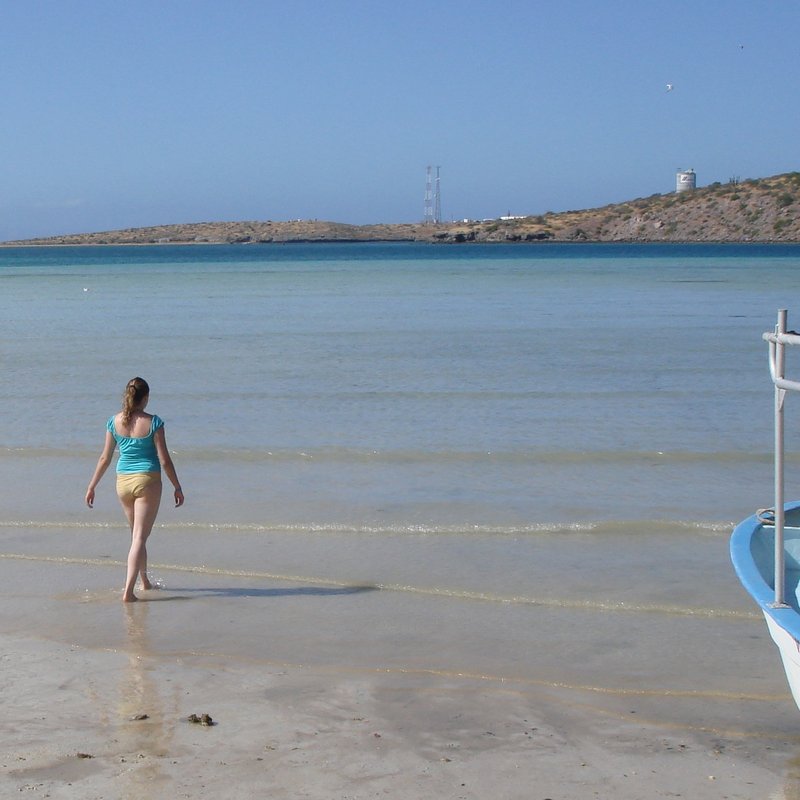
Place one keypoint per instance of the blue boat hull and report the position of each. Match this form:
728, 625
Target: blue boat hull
753, 556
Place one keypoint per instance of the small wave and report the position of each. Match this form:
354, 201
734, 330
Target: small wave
59, 524
631, 527
601, 527
533, 458
389, 457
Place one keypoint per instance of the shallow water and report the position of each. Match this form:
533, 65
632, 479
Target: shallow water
503, 443
403, 385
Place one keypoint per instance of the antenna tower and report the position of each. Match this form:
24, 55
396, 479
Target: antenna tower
437, 200
433, 198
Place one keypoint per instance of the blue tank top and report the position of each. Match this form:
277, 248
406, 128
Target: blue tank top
137, 453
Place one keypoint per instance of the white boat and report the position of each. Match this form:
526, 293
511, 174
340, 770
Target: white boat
753, 556
765, 548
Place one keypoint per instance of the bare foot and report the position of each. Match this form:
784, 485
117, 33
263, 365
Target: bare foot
132, 599
146, 585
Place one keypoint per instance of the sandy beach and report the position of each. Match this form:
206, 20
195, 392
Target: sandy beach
312, 696
290, 731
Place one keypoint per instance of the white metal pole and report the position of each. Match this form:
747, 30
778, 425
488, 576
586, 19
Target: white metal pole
780, 394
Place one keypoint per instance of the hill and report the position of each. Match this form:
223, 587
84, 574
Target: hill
759, 210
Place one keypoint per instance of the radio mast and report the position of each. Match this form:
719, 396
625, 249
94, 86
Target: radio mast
433, 198
437, 200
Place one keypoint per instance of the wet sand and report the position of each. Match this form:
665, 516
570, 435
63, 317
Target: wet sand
290, 731
351, 690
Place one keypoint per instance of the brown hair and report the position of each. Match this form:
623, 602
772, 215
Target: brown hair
135, 392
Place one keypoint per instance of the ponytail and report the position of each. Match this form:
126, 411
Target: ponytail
135, 392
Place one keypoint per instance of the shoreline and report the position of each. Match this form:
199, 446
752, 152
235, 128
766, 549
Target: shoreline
475, 243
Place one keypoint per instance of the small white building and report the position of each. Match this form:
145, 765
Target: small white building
685, 180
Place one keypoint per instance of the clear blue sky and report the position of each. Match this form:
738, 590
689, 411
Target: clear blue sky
124, 114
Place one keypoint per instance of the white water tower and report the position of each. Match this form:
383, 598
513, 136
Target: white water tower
685, 180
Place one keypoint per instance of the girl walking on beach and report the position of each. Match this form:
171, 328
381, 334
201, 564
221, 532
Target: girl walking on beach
143, 455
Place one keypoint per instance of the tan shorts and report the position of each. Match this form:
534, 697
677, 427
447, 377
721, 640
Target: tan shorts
131, 485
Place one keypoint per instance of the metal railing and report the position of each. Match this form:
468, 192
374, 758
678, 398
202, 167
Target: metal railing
777, 368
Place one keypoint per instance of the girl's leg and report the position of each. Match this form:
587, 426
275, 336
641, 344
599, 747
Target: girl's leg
144, 511
127, 502
128, 507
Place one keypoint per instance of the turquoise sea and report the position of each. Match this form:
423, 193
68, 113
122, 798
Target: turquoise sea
566, 430
401, 386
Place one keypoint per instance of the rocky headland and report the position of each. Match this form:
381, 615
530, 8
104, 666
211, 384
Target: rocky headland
759, 210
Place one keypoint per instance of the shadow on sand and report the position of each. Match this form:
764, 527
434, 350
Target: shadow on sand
297, 591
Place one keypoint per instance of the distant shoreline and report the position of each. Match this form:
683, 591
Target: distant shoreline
765, 210
293, 242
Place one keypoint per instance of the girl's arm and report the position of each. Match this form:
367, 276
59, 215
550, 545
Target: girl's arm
167, 465
102, 465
